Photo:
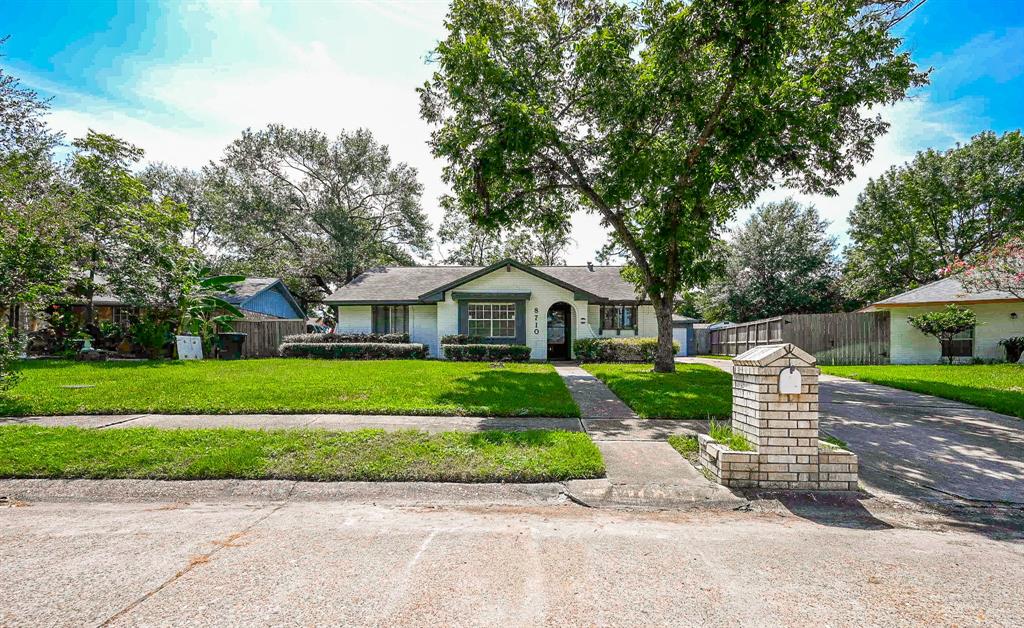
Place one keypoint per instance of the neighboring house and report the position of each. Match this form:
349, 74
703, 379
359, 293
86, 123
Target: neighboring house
544, 307
264, 298
259, 298
1000, 315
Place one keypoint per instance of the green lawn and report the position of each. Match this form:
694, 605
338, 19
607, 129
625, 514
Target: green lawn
694, 391
998, 387
375, 455
289, 386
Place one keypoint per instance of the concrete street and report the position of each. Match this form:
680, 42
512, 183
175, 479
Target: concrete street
395, 563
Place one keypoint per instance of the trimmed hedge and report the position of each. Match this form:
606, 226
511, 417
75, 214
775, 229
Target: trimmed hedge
486, 353
354, 350
331, 338
462, 339
618, 349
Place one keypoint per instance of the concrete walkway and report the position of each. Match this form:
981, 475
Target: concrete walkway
338, 422
920, 445
643, 470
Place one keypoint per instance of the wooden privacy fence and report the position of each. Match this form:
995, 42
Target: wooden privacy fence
843, 338
265, 336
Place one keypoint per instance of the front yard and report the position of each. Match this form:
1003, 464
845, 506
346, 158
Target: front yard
998, 387
367, 455
289, 386
694, 391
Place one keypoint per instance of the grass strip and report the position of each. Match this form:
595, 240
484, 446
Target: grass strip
694, 391
997, 387
317, 455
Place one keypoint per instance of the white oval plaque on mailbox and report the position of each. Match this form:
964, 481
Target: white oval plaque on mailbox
789, 381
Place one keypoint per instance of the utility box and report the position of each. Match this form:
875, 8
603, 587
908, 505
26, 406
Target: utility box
775, 408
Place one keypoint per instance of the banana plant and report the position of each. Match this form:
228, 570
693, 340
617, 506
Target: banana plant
202, 311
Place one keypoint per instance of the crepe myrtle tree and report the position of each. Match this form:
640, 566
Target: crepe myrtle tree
1001, 268
945, 324
661, 116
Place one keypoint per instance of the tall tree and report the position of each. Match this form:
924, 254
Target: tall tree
198, 194
781, 261
304, 206
473, 245
35, 217
944, 206
125, 238
662, 117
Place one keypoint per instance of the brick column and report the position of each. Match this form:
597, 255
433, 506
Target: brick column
783, 427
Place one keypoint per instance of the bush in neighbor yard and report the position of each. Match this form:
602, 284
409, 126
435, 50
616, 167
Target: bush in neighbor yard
354, 350
618, 349
1014, 348
944, 324
486, 352
331, 337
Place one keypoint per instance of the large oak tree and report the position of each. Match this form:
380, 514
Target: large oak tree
663, 117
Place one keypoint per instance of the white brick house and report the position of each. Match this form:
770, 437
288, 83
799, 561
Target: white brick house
1000, 315
544, 307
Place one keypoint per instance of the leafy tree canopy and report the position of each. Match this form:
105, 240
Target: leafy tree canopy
472, 245
781, 261
124, 237
918, 218
1001, 268
663, 117
316, 210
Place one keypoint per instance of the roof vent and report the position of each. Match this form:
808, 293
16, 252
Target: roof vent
590, 266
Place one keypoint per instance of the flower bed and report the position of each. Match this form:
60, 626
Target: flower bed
618, 349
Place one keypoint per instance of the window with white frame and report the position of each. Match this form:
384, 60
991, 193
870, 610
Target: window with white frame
960, 346
491, 320
391, 319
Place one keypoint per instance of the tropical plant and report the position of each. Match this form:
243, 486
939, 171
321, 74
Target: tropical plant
152, 334
663, 117
945, 323
202, 311
1014, 348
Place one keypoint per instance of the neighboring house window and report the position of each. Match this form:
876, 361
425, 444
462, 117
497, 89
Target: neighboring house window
492, 320
391, 319
618, 317
961, 346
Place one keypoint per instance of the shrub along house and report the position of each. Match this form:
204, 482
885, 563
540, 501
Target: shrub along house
546, 308
1000, 315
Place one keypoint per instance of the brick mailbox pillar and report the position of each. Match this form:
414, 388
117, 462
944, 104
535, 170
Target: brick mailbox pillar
775, 408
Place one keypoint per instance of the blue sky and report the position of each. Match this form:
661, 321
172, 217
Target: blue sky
182, 79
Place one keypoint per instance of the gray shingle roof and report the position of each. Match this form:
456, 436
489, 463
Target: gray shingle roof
948, 290
408, 283
249, 288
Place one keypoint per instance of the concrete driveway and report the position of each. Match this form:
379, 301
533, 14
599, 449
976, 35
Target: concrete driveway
920, 445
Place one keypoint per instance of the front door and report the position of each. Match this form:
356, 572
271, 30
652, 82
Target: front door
559, 331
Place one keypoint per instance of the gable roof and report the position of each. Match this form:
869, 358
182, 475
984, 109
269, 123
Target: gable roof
418, 284
948, 290
244, 291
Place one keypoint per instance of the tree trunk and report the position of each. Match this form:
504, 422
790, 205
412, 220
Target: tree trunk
664, 359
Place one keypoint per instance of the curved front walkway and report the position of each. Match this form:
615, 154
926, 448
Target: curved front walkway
908, 441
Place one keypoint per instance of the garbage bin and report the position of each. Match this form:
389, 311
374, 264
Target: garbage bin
231, 345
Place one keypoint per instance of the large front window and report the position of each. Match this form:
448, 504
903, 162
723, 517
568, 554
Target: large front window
618, 317
391, 319
961, 346
492, 320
